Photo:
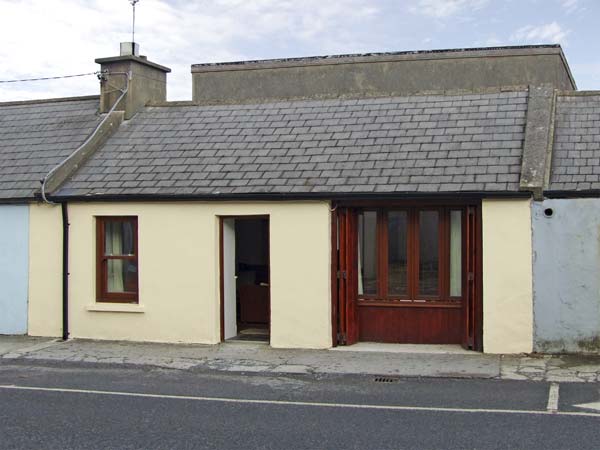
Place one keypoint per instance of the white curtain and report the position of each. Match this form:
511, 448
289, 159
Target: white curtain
360, 250
455, 253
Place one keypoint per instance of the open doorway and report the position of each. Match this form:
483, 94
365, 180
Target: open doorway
245, 278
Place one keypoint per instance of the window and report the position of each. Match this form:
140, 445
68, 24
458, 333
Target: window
116, 259
410, 254
367, 252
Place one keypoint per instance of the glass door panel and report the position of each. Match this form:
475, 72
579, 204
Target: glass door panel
455, 253
397, 253
429, 259
367, 253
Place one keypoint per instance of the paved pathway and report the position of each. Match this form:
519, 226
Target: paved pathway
260, 358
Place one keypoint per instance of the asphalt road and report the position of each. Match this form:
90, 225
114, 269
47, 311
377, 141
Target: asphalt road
115, 407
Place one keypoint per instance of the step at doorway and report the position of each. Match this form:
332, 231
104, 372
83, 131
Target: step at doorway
252, 335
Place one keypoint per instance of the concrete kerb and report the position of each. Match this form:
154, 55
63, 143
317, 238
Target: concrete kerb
12, 347
262, 359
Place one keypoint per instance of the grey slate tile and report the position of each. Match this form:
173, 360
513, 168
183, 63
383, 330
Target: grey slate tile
36, 136
395, 144
576, 143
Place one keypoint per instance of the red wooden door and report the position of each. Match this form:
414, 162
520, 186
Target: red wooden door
472, 308
346, 273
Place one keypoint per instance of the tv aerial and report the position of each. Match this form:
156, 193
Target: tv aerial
133, 3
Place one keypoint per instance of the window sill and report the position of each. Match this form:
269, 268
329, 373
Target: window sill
116, 307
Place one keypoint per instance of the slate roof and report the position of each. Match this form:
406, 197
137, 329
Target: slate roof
576, 151
35, 136
456, 143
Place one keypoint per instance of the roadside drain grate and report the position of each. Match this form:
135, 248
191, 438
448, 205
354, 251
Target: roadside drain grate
385, 380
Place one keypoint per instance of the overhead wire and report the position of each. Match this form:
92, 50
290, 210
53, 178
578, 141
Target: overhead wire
50, 78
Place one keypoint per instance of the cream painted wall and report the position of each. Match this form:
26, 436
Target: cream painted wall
45, 270
179, 279
507, 276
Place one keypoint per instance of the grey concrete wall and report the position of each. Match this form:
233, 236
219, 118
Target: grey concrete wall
566, 272
373, 76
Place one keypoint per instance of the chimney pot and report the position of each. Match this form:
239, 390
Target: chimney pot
130, 49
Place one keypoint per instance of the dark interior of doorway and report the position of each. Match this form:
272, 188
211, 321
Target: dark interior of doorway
252, 279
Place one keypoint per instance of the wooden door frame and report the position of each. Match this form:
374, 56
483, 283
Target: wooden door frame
478, 329
334, 256
221, 266
344, 325
336, 276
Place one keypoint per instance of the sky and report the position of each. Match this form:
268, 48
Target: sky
42, 38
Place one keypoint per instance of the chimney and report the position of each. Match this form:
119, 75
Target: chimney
145, 81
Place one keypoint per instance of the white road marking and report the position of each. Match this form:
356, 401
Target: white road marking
553, 398
593, 405
297, 403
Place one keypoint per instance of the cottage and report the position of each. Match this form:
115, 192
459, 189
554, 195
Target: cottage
310, 202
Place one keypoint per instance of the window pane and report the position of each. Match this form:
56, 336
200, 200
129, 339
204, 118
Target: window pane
367, 253
397, 252
122, 275
455, 253
428, 252
118, 238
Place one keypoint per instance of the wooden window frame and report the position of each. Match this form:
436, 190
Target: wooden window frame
102, 294
413, 296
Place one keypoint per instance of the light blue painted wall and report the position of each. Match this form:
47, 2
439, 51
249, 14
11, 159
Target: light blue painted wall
566, 275
14, 268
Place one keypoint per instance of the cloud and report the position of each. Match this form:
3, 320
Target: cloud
542, 34
45, 38
440, 9
569, 5
491, 41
